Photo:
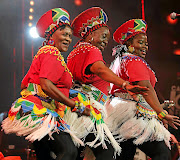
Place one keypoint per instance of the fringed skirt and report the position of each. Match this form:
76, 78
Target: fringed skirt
129, 119
35, 115
83, 125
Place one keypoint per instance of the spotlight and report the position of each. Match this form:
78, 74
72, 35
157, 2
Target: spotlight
31, 3
30, 17
31, 10
177, 51
78, 2
33, 32
30, 24
170, 20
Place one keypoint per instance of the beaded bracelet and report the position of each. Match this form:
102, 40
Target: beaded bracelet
79, 107
162, 114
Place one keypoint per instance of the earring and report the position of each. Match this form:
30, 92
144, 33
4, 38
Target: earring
131, 49
51, 42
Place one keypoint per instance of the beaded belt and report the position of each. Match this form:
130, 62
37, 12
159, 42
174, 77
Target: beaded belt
143, 108
90, 91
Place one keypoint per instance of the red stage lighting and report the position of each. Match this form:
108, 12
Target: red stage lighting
171, 21
175, 42
78, 2
177, 51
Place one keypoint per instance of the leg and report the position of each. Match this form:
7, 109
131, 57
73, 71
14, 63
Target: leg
128, 150
63, 146
156, 150
42, 149
99, 152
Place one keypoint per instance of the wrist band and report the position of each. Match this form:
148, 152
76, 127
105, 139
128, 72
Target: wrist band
79, 107
162, 114
124, 85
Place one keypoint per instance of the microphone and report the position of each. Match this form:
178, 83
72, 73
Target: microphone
174, 15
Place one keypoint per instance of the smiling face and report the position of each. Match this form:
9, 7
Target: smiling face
100, 38
62, 38
140, 44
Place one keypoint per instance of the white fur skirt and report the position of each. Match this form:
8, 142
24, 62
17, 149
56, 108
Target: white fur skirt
128, 119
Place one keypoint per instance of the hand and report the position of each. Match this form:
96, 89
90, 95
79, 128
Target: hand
173, 121
133, 90
86, 111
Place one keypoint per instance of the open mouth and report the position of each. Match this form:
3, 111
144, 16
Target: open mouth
66, 44
143, 52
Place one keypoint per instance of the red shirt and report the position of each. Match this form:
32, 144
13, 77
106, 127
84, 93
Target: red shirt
132, 68
49, 63
79, 59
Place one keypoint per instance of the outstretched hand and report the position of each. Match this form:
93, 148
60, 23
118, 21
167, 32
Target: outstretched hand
173, 121
86, 111
133, 90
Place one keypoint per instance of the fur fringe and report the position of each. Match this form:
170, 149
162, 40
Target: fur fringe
122, 121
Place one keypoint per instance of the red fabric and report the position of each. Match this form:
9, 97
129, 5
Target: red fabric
79, 59
133, 69
47, 65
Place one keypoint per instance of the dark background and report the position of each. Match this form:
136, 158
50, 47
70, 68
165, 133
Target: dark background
14, 28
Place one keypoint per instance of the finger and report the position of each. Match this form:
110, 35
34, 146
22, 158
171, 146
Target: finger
135, 97
172, 125
178, 124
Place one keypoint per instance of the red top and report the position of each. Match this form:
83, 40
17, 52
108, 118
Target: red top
132, 68
49, 63
80, 58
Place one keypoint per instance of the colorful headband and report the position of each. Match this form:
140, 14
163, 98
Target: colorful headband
88, 21
129, 29
51, 21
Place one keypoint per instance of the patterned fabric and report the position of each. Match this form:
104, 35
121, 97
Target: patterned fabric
29, 116
129, 29
85, 21
94, 99
51, 19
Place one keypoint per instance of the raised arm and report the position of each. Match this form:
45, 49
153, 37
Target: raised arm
100, 69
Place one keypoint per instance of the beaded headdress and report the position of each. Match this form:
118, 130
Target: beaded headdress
89, 21
51, 21
129, 29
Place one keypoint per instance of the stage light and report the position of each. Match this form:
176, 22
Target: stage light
78, 2
31, 10
30, 17
177, 51
171, 21
31, 3
30, 24
175, 42
33, 32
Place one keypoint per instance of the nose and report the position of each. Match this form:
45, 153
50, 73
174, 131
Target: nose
69, 39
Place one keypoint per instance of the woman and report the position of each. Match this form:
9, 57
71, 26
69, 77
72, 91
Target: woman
139, 124
39, 112
88, 67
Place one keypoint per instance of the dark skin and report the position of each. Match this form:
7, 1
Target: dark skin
100, 38
62, 39
140, 44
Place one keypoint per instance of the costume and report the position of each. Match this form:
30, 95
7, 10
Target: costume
136, 123
35, 115
92, 87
